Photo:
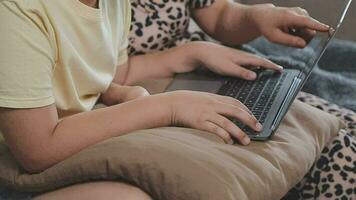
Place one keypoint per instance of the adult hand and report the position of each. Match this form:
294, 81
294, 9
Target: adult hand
287, 26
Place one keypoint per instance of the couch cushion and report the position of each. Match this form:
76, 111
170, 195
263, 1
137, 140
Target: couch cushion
179, 163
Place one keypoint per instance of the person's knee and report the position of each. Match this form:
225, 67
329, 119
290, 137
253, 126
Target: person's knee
135, 193
97, 190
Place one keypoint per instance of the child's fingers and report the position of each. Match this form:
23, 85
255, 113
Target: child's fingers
240, 114
232, 69
217, 130
248, 59
233, 101
230, 128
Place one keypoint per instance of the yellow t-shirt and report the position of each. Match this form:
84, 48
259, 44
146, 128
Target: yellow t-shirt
60, 52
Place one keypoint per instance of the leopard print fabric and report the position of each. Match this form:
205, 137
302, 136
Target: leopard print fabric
333, 176
161, 24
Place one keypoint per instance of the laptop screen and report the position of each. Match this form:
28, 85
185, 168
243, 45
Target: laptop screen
313, 52
315, 49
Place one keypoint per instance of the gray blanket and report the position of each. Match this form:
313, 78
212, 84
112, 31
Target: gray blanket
334, 79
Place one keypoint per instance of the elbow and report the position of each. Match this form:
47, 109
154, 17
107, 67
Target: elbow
34, 162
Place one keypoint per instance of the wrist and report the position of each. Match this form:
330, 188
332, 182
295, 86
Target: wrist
162, 105
196, 54
185, 58
255, 15
250, 16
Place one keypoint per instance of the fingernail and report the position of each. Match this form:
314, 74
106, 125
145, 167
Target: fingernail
251, 75
246, 140
230, 142
259, 126
280, 67
301, 43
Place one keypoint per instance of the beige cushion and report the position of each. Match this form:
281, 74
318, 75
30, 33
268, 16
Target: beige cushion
180, 164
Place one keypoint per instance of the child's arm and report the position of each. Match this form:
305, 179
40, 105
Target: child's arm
38, 140
234, 23
186, 58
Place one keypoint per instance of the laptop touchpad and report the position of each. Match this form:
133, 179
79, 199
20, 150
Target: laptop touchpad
211, 86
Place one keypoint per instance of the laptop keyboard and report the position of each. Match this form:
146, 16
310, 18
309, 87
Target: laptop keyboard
257, 95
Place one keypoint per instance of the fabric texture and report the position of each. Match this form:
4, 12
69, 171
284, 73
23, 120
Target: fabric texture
47, 52
179, 163
332, 176
158, 26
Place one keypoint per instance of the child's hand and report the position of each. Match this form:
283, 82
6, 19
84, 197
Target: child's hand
209, 112
288, 26
228, 61
118, 94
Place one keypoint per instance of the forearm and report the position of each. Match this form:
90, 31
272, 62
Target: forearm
80, 131
157, 65
227, 21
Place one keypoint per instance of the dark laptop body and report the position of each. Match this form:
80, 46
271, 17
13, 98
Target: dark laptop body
270, 96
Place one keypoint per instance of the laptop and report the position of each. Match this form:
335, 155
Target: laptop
271, 94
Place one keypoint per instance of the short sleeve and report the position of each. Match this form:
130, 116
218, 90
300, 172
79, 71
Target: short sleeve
26, 61
123, 53
200, 3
